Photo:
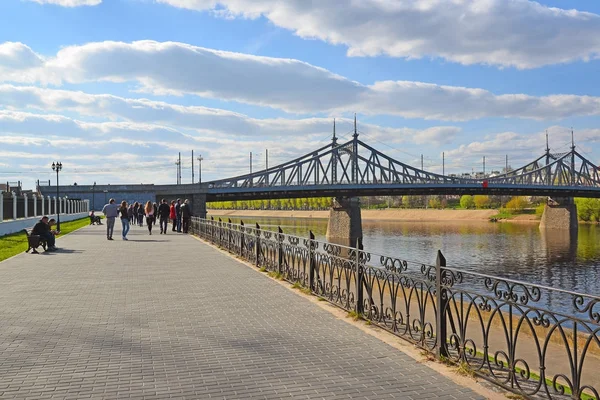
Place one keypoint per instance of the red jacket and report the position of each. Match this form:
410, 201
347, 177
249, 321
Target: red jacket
172, 214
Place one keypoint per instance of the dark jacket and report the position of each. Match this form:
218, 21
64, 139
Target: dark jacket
186, 211
164, 210
40, 229
178, 210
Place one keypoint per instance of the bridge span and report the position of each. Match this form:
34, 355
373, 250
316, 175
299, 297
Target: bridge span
354, 168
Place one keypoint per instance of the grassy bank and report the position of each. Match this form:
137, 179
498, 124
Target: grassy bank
13, 244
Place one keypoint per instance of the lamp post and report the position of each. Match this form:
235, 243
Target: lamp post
105, 194
57, 166
200, 168
94, 197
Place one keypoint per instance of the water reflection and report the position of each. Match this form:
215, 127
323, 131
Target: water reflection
511, 250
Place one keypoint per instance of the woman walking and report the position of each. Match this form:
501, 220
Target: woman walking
149, 209
124, 214
173, 214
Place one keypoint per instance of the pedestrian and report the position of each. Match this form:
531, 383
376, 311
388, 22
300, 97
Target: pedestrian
130, 214
155, 211
140, 215
149, 210
124, 213
186, 215
178, 214
110, 211
164, 213
173, 215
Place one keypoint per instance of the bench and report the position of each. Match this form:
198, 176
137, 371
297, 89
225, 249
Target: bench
34, 241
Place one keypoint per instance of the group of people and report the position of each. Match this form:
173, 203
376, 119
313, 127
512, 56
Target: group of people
178, 213
44, 230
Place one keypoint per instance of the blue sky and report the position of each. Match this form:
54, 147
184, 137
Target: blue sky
116, 88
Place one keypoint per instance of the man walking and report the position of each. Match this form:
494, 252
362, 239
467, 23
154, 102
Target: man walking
186, 215
110, 210
178, 214
163, 212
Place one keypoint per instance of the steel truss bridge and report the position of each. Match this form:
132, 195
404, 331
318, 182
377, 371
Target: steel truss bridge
354, 168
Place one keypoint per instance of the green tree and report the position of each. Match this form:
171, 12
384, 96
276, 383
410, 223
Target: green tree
467, 201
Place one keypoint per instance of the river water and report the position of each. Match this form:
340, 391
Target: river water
512, 250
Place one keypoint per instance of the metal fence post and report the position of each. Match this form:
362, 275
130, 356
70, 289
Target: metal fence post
279, 250
229, 244
359, 306
442, 305
312, 262
220, 233
242, 238
257, 244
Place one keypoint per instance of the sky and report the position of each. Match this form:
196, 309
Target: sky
116, 89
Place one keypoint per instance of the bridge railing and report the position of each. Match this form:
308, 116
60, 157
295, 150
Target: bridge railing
509, 332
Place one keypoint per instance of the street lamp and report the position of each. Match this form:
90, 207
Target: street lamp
57, 167
94, 197
200, 169
105, 193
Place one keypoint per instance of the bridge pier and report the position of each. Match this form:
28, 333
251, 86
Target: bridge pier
345, 223
560, 214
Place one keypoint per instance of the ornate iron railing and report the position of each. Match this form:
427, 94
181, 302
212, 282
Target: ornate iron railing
499, 329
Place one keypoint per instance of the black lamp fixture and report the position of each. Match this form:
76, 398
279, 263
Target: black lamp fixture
57, 166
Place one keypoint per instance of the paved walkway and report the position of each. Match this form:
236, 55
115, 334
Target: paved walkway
166, 316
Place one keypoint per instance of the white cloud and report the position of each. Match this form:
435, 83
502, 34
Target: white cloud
290, 85
42, 137
18, 62
519, 33
69, 3
203, 120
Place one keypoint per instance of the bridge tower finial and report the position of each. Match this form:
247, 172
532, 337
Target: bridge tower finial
334, 138
355, 136
547, 145
572, 140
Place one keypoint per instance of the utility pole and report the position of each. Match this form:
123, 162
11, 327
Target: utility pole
178, 163
421, 162
506, 165
200, 168
443, 163
484, 166
250, 162
192, 166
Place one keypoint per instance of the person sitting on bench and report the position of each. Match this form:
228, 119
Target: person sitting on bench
94, 219
42, 229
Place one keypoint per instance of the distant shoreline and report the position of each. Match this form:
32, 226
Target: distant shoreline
392, 214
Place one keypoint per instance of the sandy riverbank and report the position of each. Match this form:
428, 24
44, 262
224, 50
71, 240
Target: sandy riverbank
378, 215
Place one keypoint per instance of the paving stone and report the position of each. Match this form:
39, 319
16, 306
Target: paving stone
166, 316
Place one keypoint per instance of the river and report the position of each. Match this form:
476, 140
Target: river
512, 250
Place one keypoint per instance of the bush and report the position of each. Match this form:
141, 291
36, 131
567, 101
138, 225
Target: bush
467, 201
481, 201
517, 203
